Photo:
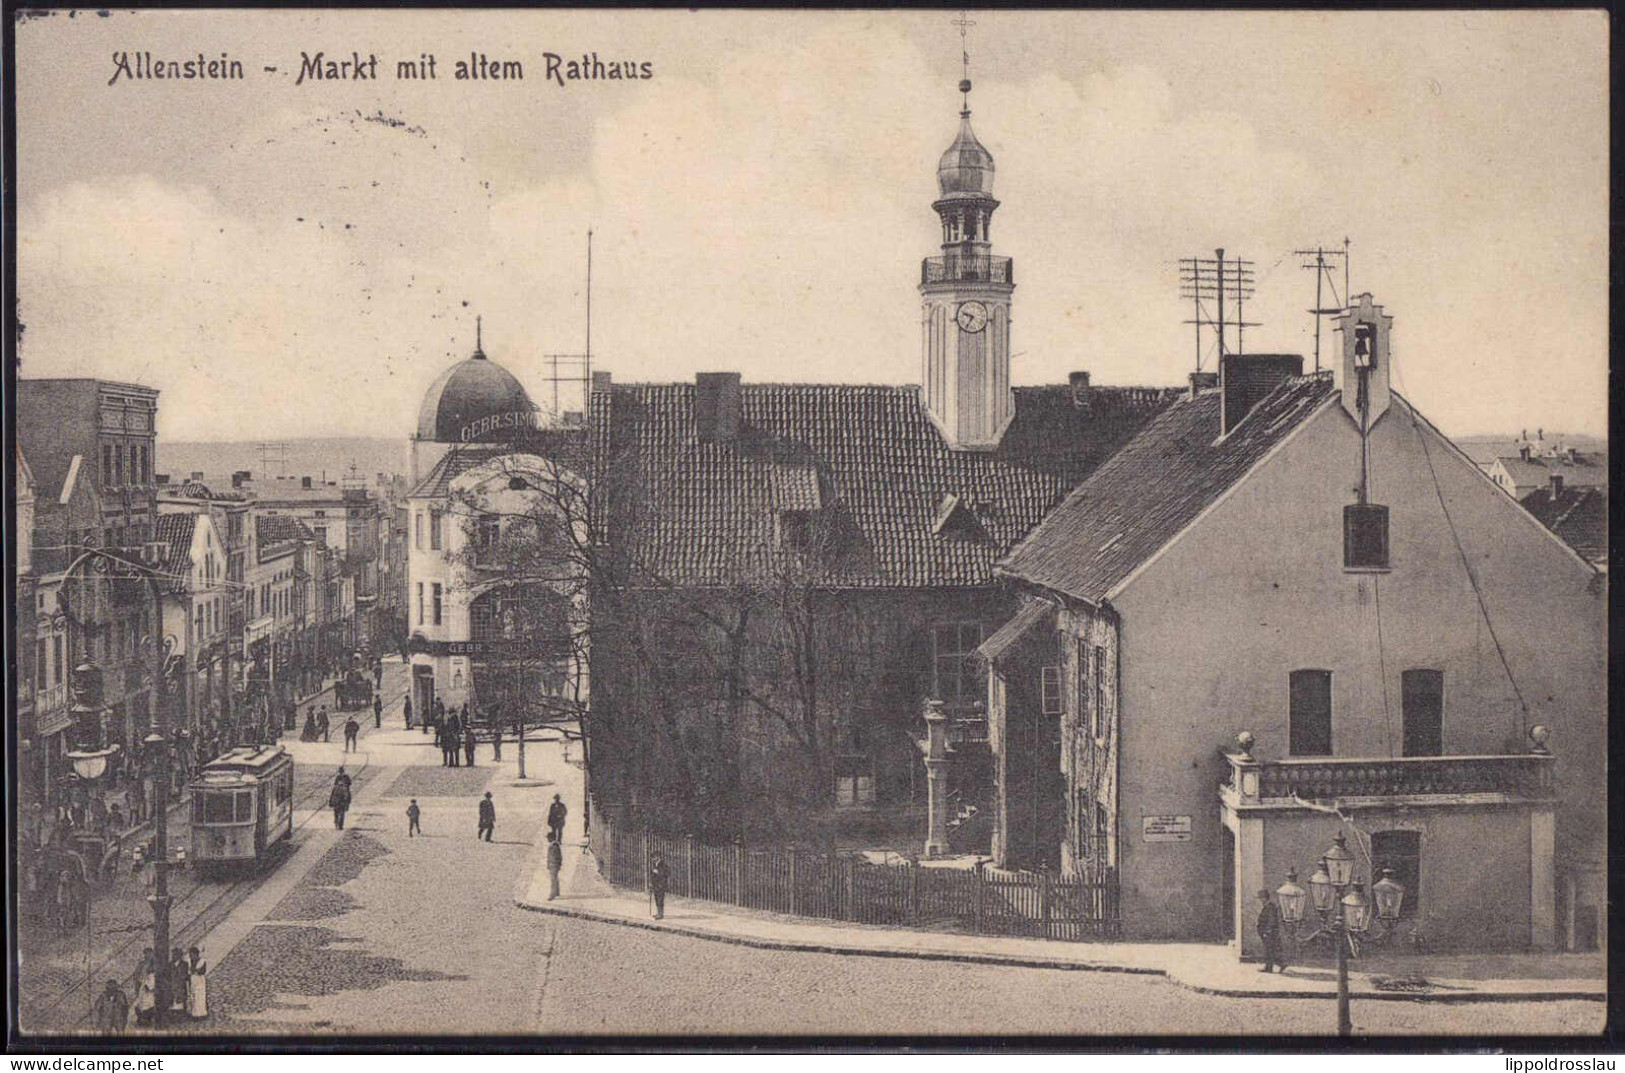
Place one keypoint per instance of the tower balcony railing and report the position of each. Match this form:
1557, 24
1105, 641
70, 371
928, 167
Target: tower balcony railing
967, 267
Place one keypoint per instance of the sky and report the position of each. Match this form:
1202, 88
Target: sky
287, 260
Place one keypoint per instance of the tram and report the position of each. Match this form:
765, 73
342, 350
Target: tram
242, 805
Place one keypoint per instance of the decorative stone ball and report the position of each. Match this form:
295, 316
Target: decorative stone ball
1245, 741
1538, 734
964, 85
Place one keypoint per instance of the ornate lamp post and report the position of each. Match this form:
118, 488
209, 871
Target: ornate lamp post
1344, 909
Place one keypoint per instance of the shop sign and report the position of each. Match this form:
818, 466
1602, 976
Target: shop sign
1165, 828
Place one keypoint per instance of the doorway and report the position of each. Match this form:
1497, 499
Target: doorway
422, 691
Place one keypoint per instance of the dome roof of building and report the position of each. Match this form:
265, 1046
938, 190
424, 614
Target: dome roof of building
966, 169
475, 401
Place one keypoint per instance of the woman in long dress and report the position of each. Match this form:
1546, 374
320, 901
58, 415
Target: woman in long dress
197, 986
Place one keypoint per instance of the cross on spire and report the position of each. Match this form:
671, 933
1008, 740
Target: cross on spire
964, 22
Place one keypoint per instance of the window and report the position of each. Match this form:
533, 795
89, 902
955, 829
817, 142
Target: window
417, 526
1098, 722
41, 669
198, 617
1401, 851
420, 603
435, 527
1081, 816
107, 464
1365, 537
437, 603
56, 659
487, 535
956, 673
118, 464
321, 534
1310, 730
1049, 689
854, 781
1422, 701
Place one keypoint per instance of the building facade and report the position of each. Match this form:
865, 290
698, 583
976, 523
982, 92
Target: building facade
1291, 607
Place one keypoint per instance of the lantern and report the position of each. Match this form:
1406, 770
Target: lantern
1320, 885
1339, 862
1356, 910
1389, 894
1292, 898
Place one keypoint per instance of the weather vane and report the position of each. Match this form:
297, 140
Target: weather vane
964, 23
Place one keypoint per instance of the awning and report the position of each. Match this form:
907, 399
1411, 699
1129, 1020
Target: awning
1032, 613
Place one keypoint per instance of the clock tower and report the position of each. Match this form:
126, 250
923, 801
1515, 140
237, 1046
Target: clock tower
965, 295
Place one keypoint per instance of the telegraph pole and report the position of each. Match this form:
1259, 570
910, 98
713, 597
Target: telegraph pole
1323, 263
1222, 280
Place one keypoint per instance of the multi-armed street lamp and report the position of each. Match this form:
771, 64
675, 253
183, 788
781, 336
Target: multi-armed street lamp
1345, 912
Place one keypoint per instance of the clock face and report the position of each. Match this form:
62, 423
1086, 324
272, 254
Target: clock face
972, 316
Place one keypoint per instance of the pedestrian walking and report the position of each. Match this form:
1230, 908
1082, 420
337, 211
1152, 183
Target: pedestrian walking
406, 711
659, 876
413, 815
468, 742
378, 674
146, 994
111, 1013
454, 740
496, 739
352, 735
555, 862
1269, 930
488, 818
338, 799
377, 712
557, 812
197, 986
322, 723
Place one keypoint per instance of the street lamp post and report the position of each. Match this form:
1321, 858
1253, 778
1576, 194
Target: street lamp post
1344, 909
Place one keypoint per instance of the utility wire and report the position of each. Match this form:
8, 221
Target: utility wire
1467, 567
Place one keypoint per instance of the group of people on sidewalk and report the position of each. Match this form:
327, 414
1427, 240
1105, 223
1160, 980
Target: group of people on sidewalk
186, 981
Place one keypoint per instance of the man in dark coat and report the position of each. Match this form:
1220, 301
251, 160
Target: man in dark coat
322, 723
112, 1010
659, 876
406, 710
338, 799
352, 735
468, 743
454, 740
377, 712
488, 818
1269, 930
556, 814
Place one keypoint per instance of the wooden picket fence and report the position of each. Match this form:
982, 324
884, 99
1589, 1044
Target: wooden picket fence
980, 901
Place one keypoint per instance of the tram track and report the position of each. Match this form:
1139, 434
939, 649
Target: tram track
208, 915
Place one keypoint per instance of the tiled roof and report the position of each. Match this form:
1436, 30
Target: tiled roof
1579, 516
175, 531
1033, 611
868, 458
1154, 487
277, 528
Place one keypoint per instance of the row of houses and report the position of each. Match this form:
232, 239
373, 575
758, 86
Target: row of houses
245, 594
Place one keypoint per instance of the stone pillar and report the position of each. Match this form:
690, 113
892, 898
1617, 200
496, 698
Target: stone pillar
936, 779
1542, 879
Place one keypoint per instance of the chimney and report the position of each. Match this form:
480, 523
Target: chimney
197, 475
716, 407
1245, 379
600, 381
1523, 451
1201, 382
1078, 382
1573, 454
304, 482
1557, 487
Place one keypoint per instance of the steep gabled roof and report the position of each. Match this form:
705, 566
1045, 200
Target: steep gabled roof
175, 531
273, 529
1589, 470
1579, 516
704, 511
1154, 487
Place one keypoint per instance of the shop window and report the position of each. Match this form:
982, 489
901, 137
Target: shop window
1401, 851
1365, 537
1310, 729
1422, 704
956, 673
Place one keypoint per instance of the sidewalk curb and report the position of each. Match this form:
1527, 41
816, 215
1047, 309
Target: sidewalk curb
1018, 961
